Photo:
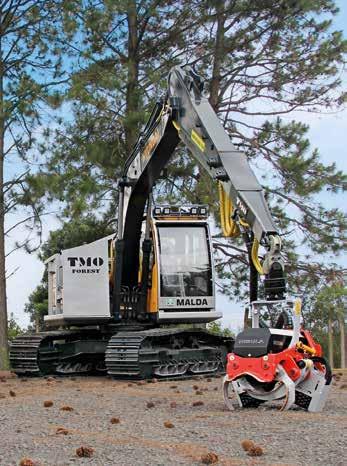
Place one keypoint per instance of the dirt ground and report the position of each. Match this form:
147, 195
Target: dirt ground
157, 424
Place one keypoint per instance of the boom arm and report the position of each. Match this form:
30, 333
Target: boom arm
186, 115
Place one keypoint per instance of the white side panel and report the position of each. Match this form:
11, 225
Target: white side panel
55, 284
86, 282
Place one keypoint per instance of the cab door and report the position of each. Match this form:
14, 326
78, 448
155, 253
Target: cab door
185, 271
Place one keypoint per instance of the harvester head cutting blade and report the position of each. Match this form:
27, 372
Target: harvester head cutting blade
246, 395
289, 398
228, 393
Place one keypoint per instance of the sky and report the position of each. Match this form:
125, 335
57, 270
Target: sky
327, 133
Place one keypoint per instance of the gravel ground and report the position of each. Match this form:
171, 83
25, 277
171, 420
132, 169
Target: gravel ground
29, 430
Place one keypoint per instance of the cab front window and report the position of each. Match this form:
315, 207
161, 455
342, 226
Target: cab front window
185, 263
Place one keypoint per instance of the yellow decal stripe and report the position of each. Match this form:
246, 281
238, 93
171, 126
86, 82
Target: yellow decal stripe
297, 306
198, 141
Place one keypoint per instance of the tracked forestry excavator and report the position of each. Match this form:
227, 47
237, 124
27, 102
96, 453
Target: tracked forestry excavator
114, 304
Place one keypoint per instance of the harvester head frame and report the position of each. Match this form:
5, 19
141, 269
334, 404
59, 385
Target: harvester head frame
277, 364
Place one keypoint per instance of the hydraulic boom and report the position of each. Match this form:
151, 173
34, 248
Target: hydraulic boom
186, 115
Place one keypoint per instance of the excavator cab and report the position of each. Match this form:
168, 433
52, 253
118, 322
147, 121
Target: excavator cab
183, 289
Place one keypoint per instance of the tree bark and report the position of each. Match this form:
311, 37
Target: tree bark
342, 342
3, 300
37, 323
330, 342
217, 56
132, 94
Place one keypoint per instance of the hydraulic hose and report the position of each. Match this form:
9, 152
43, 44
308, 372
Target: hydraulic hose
255, 258
328, 371
229, 227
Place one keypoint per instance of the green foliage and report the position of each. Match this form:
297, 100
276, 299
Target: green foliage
216, 328
323, 303
37, 306
329, 303
14, 330
262, 61
333, 296
111, 93
321, 337
30, 75
78, 231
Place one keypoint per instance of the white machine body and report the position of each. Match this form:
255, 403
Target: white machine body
78, 284
80, 279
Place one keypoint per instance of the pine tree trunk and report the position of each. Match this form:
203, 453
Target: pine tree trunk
342, 342
132, 94
330, 343
217, 57
37, 323
3, 301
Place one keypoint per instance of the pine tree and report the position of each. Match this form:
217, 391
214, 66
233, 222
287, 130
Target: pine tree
28, 68
266, 60
122, 52
263, 61
329, 314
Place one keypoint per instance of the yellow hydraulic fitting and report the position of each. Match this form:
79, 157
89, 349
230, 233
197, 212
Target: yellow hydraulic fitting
305, 348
